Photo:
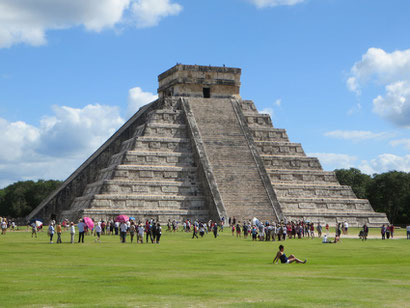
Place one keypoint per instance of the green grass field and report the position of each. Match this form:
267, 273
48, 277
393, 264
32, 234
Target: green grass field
206, 272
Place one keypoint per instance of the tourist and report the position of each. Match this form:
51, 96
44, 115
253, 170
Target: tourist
158, 231
338, 230
201, 230
346, 227
132, 231
116, 227
283, 259
312, 230
33, 230
72, 232
233, 230
195, 232
51, 232
408, 232
383, 232
147, 231
59, 231
388, 231
3, 226
215, 229
98, 230
327, 229
245, 230
153, 231
81, 231
140, 234
123, 231
238, 229
103, 227
254, 233
391, 230
365, 232
319, 230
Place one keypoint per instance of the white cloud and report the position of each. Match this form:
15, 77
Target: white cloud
272, 3
331, 161
26, 21
149, 12
404, 142
138, 98
391, 70
73, 131
278, 102
357, 135
57, 146
385, 163
382, 163
395, 105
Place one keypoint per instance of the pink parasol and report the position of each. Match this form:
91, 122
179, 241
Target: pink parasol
89, 222
122, 218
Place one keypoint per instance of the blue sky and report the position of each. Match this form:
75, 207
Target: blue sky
334, 73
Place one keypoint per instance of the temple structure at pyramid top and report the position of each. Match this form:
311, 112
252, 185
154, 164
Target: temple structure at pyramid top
202, 152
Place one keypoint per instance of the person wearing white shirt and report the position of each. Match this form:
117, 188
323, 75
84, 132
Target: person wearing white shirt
72, 232
98, 231
123, 231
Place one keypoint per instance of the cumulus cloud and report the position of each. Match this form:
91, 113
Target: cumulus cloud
272, 3
385, 163
138, 98
331, 161
58, 145
395, 105
391, 70
148, 13
382, 163
357, 135
26, 21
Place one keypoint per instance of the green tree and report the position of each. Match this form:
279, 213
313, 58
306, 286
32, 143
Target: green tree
390, 193
20, 198
356, 179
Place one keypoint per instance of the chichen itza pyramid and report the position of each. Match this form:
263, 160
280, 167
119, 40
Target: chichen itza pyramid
201, 152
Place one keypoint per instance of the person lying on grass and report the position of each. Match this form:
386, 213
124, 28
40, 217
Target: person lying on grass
284, 259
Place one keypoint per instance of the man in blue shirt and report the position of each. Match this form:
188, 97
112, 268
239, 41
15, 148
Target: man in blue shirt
81, 226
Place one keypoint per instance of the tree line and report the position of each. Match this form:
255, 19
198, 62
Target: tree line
19, 199
387, 192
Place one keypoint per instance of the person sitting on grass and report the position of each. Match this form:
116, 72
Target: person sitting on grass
284, 259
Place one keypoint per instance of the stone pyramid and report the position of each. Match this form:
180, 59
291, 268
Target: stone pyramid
201, 152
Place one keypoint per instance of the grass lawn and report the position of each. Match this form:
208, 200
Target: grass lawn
207, 272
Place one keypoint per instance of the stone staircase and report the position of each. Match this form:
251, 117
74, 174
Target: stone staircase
154, 174
303, 189
233, 165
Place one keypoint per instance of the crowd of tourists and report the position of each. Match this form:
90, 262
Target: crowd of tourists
125, 229
7, 224
151, 230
